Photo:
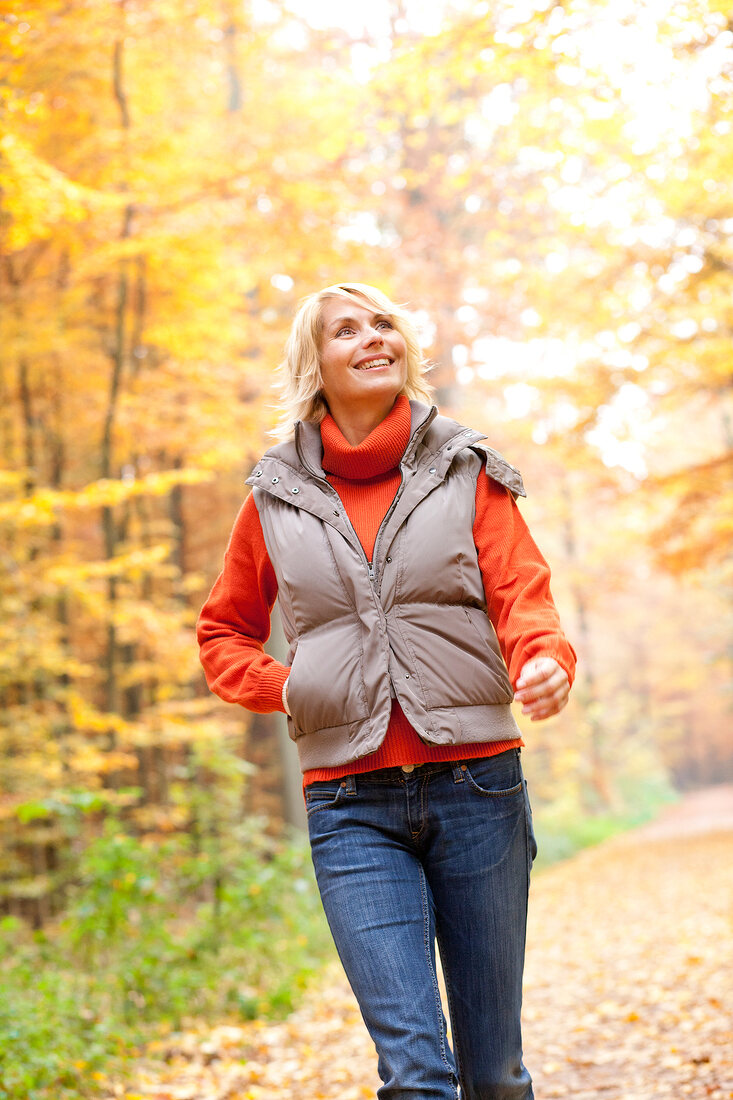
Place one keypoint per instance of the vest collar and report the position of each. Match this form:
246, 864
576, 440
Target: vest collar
435, 441
309, 445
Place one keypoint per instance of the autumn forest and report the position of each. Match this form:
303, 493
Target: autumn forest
548, 186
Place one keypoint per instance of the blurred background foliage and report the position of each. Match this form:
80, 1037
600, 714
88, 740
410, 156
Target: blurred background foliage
550, 187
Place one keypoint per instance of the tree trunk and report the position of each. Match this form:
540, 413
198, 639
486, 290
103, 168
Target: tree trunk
117, 356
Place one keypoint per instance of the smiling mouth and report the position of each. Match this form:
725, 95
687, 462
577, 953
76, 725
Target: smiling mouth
372, 363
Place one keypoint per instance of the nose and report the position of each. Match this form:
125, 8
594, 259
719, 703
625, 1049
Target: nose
372, 335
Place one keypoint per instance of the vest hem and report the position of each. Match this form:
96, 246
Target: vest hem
491, 722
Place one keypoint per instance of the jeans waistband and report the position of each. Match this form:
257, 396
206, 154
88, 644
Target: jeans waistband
406, 771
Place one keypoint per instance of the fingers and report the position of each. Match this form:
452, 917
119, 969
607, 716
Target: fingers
542, 688
536, 671
545, 704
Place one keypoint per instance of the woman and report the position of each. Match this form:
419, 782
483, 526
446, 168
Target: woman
412, 598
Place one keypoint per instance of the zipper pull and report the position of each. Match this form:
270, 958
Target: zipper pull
371, 570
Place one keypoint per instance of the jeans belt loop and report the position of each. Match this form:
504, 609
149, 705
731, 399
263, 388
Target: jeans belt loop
349, 783
458, 775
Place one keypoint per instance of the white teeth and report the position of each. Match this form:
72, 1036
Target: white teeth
374, 363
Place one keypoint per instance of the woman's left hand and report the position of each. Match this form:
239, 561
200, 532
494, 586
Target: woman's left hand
542, 688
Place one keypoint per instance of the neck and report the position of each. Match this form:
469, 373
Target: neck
355, 424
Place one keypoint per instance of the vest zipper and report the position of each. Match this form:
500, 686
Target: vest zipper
387, 516
394, 504
419, 431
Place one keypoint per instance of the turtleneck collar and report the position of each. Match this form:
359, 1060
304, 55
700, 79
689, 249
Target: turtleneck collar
379, 453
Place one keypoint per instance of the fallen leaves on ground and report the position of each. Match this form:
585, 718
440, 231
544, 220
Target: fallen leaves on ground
628, 992
321, 1051
629, 983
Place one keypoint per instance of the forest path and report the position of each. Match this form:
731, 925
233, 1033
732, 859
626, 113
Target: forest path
628, 992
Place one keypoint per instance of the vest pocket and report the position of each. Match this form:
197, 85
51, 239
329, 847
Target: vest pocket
455, 653
326, 684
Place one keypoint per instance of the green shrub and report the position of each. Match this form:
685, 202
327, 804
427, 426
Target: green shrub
155, 935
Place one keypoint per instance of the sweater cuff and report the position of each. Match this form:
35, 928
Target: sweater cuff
567, 659
271, 685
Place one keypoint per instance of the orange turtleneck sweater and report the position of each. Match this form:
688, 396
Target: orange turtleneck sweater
235, 621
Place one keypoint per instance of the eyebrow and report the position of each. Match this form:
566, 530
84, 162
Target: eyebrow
352, 320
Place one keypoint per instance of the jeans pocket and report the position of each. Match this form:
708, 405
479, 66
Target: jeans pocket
319, 796
497, 776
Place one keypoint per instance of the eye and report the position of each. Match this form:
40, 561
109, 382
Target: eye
344, 329
384, 323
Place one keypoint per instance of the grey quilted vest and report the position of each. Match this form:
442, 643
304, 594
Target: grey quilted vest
411, 623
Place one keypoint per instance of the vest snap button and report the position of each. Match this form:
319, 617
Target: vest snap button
275, 480
258, 473
433, 469
389, 559
335, 512
295, 490
407, 675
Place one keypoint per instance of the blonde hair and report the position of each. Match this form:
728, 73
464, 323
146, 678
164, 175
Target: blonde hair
301, 382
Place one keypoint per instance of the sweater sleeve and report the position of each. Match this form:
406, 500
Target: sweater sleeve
517, 583
234, 623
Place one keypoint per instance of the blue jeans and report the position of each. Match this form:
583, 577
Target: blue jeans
403, 858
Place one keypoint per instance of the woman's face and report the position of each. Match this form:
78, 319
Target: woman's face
363, 358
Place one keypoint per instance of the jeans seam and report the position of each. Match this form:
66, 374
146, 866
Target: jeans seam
449, 995
433, 975
529, 832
